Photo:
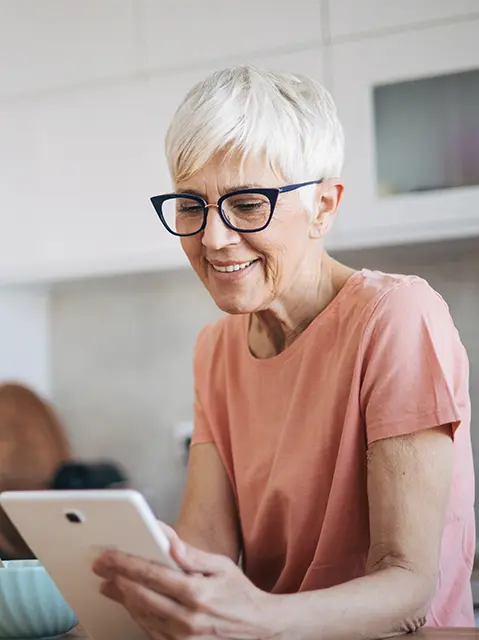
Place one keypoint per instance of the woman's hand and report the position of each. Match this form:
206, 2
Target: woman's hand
212, 599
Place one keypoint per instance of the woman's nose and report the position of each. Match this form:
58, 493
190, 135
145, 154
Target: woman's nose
216, 234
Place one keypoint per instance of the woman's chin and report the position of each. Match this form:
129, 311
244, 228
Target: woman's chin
234, 309
234, 305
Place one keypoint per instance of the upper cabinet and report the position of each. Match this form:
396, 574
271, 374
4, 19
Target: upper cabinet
353, 18
77, 169
187, 32
48, 44
76, 172
409, 105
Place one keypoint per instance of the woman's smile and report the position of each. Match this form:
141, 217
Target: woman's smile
231, 271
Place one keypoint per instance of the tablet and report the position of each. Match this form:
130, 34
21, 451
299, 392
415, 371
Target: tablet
67, 530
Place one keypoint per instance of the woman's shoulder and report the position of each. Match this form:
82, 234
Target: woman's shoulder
402, 309
381, 283
396, 294
389, 302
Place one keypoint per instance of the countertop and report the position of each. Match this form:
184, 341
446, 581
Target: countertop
428, 633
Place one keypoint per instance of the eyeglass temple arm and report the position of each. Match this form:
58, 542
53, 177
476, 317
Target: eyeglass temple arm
293, 187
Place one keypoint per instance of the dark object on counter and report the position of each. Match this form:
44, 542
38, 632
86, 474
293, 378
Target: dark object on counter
83, 475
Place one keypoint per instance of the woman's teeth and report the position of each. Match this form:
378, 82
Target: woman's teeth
232, 267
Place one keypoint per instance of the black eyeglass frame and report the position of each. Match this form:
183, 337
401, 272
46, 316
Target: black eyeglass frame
271, 193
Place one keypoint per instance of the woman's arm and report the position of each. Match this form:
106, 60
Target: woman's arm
208, 518
409, 479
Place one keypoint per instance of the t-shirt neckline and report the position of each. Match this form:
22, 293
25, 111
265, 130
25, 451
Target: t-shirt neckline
302, 339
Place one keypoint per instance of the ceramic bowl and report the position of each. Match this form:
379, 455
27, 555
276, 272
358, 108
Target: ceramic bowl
31, 606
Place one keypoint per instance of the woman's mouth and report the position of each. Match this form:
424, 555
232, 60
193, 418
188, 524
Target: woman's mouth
229, 268
232, 269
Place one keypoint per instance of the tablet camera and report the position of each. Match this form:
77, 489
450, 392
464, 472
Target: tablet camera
74, 517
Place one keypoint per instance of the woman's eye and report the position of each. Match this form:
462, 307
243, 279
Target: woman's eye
249, 206
195, 208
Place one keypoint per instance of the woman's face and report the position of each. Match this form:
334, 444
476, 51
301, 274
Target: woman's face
278, 255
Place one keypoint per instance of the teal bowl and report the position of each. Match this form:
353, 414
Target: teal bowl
31, 606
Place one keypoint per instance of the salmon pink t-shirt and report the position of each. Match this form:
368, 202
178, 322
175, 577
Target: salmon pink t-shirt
383, 359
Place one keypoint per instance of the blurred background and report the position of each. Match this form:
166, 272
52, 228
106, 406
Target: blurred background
98, 310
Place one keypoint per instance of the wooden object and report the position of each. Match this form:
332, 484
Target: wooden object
32, 446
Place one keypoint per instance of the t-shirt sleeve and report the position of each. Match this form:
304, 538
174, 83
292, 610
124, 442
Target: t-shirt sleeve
201, 430
415, 369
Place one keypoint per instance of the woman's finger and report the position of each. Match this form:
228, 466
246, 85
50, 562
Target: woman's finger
113, 591
169, 532
157, 578
110, 590
140, 601
195, 560
150, 629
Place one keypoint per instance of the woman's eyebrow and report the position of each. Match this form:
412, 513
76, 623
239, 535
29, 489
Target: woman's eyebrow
229, 189
240, 187
192, 192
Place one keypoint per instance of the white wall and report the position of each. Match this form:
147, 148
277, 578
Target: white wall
25, 337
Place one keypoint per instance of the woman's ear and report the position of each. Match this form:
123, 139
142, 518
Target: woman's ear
330, 193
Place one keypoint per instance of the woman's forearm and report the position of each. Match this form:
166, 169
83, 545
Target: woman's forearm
223, 542
391, 601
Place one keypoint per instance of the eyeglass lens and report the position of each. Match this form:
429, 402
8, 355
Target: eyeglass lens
246, 211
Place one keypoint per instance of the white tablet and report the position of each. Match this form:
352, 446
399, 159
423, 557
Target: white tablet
67, 530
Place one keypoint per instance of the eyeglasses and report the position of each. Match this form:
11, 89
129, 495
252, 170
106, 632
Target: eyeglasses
245, 210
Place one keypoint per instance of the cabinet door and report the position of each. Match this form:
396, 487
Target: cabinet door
355, 17
185, 32
49, 44
410, 133
78, 169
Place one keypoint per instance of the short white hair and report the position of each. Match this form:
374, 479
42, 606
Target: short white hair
289, 118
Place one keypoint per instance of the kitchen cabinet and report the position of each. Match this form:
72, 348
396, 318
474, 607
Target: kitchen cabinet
48, 44
356, 18
77, 172
183, 32
390, 93
78, 168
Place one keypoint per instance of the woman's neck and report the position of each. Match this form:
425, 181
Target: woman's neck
275, 329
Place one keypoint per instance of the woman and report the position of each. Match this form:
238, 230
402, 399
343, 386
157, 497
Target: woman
331, 445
